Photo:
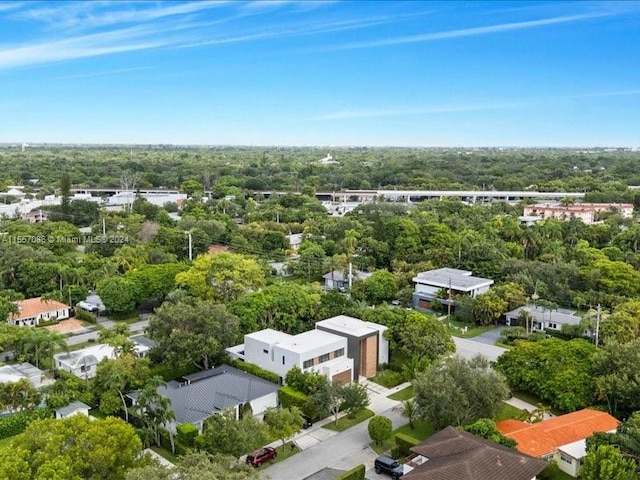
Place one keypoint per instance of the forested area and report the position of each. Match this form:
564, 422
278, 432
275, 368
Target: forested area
201, 306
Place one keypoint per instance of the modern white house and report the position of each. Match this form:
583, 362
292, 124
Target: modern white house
84, 362
542, 317
33, 310
366, 343
198, 396
279, 352
430, 285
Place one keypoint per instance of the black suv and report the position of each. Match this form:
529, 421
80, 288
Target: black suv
390, 466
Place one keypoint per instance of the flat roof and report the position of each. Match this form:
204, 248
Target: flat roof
269, 335
295, 343
351, 326
458, 279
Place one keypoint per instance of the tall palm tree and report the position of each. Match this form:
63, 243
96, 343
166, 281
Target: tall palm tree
410, 411
154, 408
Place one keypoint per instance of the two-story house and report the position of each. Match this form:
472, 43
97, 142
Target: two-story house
279, 352
444, 284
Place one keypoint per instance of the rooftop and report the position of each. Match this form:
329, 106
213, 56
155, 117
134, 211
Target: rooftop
212, 391
72, 407
351, 326
16, 372
545, 437
35, 306
456, 455
341, 276
457, 279
295, 343
86, 356
539, 314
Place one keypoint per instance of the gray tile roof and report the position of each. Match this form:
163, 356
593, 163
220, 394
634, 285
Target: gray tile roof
72, 407
221, 387
456, 455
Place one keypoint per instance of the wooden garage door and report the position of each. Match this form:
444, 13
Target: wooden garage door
343, 378
426, 304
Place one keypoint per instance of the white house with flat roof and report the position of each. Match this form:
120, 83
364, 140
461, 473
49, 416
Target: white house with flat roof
452, 280
279, 352
366, 343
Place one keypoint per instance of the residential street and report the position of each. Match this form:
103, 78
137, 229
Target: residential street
137, 327
469, 348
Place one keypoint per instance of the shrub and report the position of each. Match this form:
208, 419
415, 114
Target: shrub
46, 323
169, 372
388, 378
17, 423
551, 472
356, 473
404, 444
187, 433
380, 428
288, 397
85, 316
255, 370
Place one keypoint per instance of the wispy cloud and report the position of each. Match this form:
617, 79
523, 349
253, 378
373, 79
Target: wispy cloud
6, 6
465, 32
349, 114
117, 71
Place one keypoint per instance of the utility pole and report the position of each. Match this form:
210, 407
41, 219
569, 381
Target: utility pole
449, 302
598, 315
190, 244
104, 227
350, 274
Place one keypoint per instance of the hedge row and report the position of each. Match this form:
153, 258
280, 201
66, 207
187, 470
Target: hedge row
83, 315
356, 473
17, 423
404, 444
288, 397
254, 370
168, 372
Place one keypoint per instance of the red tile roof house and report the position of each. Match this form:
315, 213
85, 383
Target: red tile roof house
560, 438
32, 310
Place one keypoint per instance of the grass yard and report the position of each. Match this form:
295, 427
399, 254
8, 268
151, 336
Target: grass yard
508, 411
422, 431
163, 452
456, 328
348, 422
401, 395
289, 450
6, 442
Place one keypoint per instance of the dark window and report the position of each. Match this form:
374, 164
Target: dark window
264, 350
339, 352
324, 358
283, 359
307, 363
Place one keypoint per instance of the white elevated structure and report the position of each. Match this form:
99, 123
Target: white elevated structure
83, 363
279, 352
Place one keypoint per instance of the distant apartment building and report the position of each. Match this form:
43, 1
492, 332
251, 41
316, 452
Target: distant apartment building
279, 352
587, 212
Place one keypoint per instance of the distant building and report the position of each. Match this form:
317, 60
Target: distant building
429, 287
543, 318
36, 216
74, 408
295, 240
279, 352
587, 212
31, 311
18, 371
339, 279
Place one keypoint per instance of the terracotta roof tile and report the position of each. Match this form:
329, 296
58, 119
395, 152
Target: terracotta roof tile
544, 438
34, 306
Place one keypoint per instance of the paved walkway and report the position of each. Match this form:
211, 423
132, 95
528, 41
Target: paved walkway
521, 404
490, 337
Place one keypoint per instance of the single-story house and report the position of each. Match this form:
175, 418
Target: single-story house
543, 318
279, 352
32, 310
142, 345
452, 454
429, 286
561, 438
74, 408
83, 363
366, 344
18, 371
198, 396
339, 279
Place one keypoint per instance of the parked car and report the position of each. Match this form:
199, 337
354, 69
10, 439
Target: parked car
261, 456
89, 307
390, 466
306, 422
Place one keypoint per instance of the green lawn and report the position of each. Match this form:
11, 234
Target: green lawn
163, 452
6, 442
455, 328
348, 422
401, 395
507, 411
422, 430
283, 454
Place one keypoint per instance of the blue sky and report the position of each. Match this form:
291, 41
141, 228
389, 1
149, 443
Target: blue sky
321, 73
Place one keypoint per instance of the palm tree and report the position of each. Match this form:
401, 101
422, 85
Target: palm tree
410, 411
39, 342
118, 338
154, 409
117, 382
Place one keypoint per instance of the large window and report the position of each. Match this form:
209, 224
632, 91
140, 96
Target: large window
324, 358
566, 458
307, 363
338, 353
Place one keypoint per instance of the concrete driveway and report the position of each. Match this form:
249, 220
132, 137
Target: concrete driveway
490, 337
